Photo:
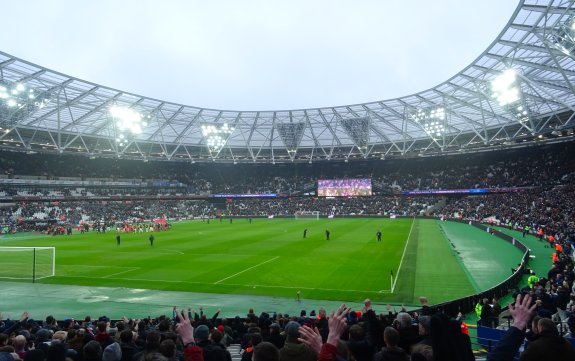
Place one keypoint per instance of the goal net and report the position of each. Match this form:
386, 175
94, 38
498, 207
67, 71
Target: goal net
27, 263
307, 215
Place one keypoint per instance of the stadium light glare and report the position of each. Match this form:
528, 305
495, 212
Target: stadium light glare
432, 120
216, 136
128, 123
505, 88
17, 101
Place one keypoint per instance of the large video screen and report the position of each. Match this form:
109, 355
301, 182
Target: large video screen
344, 187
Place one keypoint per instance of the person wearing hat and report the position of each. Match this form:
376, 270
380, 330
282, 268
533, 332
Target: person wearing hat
112, 353
275, 336
211, 350
293, 349
424, 347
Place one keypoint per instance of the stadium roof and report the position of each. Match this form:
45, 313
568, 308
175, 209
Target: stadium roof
520, 90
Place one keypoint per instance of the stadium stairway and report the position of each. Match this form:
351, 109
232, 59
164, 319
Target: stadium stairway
235, 351
442, 201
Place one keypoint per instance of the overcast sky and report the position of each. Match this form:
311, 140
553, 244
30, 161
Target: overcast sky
255, 55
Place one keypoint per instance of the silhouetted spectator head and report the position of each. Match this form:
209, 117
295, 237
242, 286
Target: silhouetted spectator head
153, 339
547, 326
60, 336
92, 351
265, 351
112, 353
155, 356
19, 342
102, 326
202, 333
391, 337
43, 335
164, 326
50, 320
35, 355
535, 325
56, 352
3, 339
255, 339
424, 325
404, 320
356, 333
216, 336
292, 331
168, 348
126, 336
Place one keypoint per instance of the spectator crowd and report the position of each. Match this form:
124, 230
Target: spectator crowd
543, 314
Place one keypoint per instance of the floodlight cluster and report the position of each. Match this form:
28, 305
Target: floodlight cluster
128, 122
521, 113
16, 96
563, 37
432, 120
505, 88
216, 136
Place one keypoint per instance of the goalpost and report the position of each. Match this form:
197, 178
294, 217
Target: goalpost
27, 263
307, 215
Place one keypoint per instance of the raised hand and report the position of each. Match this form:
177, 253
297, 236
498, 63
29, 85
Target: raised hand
310, 337
522, 312
184, 328
337, 323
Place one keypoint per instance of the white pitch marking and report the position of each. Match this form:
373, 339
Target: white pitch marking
234, 284
119, 273
403, 255
247, 269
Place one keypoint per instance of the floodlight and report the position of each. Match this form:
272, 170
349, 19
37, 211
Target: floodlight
504, 87
431, 120
127, 122
216, 136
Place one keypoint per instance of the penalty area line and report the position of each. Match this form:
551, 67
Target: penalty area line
247, 269
119, 273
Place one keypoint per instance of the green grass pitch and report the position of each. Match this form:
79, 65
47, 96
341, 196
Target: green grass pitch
268, 257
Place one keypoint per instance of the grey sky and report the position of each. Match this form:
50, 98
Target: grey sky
255, 55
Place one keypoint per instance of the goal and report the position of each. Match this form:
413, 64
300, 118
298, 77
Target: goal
27, 263
307, 215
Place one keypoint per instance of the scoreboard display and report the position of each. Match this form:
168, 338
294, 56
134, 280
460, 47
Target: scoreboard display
344, 187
